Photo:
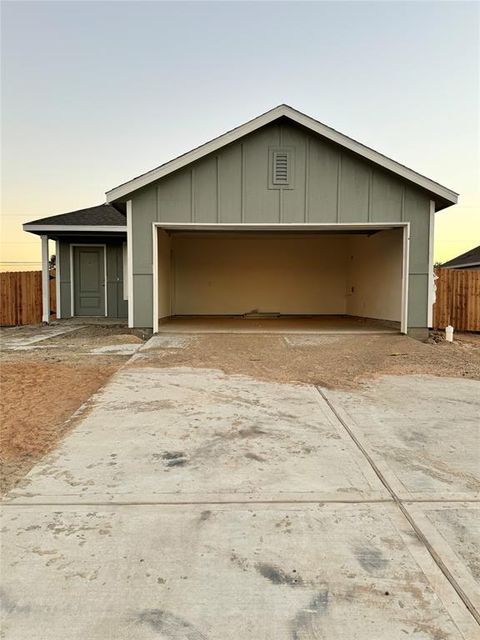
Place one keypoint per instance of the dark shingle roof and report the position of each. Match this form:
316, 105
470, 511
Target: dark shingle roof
101, 214
471, 257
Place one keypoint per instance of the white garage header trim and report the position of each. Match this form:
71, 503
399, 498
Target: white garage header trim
284, 226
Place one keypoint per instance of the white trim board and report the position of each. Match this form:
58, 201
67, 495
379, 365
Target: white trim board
155, 278
58, 301
129, 264
74, 227
306, 226
45, 281
267, 118
405, 277
431, 279
283, 226
72, 300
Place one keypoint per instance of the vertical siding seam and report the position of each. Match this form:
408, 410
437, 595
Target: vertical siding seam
192, 194
242, 183
217, 188
370, 194
307, 177
280, 191
402, 213
339, 178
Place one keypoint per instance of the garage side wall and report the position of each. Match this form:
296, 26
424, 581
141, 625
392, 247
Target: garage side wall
328, 185
164, 274
375, 276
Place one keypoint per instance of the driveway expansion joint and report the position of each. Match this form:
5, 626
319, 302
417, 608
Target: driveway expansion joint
400, 504
315, 530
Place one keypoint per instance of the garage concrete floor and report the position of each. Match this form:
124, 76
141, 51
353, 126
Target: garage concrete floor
336, 324
191, 504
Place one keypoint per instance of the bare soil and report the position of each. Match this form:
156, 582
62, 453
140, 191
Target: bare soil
36, 401
342, 361
41, 388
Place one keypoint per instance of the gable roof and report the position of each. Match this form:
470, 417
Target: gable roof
102, 217
445, 197
470, 258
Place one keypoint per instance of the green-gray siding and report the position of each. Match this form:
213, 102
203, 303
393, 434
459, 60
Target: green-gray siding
232, 186
117, 307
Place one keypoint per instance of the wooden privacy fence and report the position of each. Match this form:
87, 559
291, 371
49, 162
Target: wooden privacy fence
457, 299
21, 297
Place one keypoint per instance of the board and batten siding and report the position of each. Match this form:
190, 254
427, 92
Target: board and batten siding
232, 186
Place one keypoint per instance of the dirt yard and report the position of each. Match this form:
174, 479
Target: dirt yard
333, 361
44, 384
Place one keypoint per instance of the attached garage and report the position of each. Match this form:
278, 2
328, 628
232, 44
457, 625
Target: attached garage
273, 270
282, 217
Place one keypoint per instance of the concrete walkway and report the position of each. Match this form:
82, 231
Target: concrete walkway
26, 339
190, 504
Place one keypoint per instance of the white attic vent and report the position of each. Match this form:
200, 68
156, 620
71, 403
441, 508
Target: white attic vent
281, 168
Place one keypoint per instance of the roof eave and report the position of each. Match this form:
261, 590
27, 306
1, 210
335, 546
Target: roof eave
461, 265
72, 228
446, 196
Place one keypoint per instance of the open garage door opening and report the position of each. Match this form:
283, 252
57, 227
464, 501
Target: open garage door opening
336, 279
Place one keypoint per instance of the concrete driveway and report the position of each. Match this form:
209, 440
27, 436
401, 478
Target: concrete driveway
191, 504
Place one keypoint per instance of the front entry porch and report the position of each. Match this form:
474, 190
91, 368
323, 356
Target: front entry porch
90, 261
89, 277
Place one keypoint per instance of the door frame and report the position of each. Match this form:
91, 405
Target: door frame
283, 226
72, 274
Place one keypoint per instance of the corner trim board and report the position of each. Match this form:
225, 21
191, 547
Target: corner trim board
431, 279
58, 292
155, 277
405, 276
45, 281
130, 264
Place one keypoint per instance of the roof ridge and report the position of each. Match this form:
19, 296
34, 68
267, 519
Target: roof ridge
100, 214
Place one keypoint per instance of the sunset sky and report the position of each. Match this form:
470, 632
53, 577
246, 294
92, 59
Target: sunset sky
94, 93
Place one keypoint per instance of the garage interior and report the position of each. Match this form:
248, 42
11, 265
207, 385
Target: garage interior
332, 281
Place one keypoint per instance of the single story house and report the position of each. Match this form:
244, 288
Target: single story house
468, 260
282, 215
